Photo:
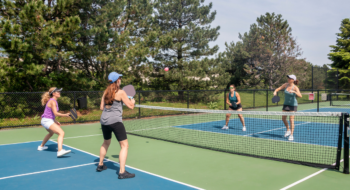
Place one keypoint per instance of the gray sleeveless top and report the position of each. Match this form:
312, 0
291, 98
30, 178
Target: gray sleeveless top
112, 114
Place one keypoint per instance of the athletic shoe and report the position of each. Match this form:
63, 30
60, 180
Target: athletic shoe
291, 138
287, 133
40, 148
101, 168
244, 129
125, 175
225, 127
63, 152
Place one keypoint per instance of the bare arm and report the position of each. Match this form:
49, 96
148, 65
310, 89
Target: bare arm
238, 98
227, 100
53, 107
297, 92
280, 88
129, 103
102, 105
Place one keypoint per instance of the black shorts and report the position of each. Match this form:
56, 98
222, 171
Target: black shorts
239, 106
289, 108
118, 130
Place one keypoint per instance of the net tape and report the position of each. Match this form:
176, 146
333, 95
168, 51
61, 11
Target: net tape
323, 114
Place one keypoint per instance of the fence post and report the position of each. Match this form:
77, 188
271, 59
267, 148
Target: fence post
139, 104
267, 100
74, 99
188, 99
318, 100
340, 138
225, 99
312, 79
254, 99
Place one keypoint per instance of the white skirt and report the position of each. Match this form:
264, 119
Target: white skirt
46, 122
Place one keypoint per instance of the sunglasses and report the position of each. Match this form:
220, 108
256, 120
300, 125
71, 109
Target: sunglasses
232, 87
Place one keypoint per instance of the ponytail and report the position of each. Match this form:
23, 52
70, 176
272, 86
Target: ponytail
110, 92
46, 96
296, 82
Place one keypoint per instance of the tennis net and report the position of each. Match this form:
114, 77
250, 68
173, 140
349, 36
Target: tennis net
340, 99
317, 136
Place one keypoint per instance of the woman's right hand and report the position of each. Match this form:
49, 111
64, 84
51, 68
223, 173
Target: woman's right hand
275, 93
67, 115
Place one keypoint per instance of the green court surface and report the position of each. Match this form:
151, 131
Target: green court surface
199, 167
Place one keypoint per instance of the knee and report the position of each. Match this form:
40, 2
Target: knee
61, 133
124, 145
106, 142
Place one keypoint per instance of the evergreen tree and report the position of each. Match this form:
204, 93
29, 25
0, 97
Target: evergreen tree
184, 45
272, 52
340, 55
34, 36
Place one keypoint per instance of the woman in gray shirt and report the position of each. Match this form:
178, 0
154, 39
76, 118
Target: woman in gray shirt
111, 121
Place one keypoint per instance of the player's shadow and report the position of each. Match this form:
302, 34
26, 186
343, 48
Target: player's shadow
53, 148
269, 136
110, 165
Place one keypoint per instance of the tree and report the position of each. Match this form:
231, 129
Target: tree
272, 51
234, 59
340, 53
34, 37
185, 35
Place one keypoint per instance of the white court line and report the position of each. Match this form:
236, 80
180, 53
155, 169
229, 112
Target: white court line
82, 136
19, 143
306, 178
135, 168
48, 171
276, 129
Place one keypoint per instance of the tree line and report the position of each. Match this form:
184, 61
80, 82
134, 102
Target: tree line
75, 44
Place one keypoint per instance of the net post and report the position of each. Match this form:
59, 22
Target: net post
225, 99
267, 100
340, 138
318, 100
346, 143
139, 104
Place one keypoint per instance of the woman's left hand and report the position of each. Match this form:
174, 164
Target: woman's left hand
58, 123
292, 91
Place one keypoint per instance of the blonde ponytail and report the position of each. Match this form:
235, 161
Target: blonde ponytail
46, 96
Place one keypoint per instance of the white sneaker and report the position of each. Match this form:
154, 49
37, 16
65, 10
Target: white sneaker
291, 138
287, 133
244, 129
40, 148
63, 152
224, 127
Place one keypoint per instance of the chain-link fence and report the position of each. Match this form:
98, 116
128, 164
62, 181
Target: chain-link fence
24, 108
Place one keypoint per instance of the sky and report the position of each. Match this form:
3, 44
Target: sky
314, 23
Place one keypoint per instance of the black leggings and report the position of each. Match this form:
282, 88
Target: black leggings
117, 128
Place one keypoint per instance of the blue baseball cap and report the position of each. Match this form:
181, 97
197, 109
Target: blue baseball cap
114, 76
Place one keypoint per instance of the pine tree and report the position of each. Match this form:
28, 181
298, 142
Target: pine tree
272, 52
340, 55
184, 45
34, 36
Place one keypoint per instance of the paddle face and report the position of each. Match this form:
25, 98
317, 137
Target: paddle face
73, 114
130, 91
275, 99
234, 104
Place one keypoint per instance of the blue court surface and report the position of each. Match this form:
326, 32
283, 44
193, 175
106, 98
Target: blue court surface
329, 109
325, 134
23, 167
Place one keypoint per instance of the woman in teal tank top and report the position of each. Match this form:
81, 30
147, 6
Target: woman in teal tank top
234, 101
291, 91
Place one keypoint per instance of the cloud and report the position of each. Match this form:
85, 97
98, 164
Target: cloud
314, 22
